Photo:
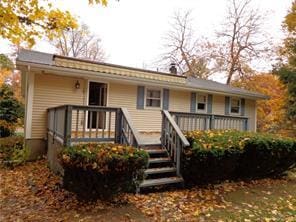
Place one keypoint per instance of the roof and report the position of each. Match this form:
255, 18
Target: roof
51, 60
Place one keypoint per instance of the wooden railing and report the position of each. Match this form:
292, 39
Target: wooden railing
199, 121
172, 139
72, 124
128, 134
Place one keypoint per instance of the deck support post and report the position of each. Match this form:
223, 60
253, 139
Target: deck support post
118, 126
68, 125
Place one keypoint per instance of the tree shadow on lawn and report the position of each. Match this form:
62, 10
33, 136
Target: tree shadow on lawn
271, 201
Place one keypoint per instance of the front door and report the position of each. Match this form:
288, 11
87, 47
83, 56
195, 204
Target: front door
97, 96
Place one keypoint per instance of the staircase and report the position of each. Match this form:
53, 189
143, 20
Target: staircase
161, 169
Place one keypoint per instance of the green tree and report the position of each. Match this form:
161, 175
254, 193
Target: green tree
286, 69
11, 110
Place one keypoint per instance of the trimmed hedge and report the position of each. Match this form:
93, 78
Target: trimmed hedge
12, 151
102, 170
219, 155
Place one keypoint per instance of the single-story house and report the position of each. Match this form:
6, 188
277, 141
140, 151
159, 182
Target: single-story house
70, 100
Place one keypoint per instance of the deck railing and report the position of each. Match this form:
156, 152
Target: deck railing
72, 124
200, 121
172, 139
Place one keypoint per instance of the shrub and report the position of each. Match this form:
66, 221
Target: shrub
102, 170
11, 110
12, 151
220, 155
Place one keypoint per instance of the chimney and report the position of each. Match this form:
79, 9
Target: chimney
173, 69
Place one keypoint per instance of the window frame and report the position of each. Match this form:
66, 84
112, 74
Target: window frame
160, 99
240, 106
206, 103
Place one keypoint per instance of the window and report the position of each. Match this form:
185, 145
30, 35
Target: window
201, 103
153, 98
235, 106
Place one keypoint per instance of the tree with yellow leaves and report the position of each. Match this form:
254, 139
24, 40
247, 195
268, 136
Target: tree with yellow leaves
24, 21
271, 112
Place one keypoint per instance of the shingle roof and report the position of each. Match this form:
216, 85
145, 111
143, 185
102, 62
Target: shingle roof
36, 57
220, 87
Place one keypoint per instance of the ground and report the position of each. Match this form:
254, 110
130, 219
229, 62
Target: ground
32, 193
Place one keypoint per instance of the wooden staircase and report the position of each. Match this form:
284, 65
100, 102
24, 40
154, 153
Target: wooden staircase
161, 169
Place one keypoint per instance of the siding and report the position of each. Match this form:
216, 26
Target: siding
121, 95
179, 101
251, 113
218, 105
51, 91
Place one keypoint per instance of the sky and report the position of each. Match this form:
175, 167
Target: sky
133, 31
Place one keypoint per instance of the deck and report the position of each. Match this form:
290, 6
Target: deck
71, 124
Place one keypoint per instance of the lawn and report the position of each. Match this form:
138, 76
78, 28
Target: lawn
32, 193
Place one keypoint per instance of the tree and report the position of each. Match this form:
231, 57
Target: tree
11, 110
6, 67
187, 53
241, 39
80, 43
27, 20
271, 112
286, 68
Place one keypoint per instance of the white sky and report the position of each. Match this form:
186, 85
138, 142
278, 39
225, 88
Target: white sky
132, 31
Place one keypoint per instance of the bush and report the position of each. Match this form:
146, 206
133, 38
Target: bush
11, 110
12, 151
102, 170
220, 155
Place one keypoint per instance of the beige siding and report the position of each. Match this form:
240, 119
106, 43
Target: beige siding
51, 91
179, 101
251, 113
218, 106
121, 95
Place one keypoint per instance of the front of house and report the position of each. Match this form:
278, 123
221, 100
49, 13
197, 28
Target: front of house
50, 81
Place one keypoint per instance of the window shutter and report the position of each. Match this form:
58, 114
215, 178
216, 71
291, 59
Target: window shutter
227, 105
193, 102
166, 98
210, 102
243, 102
140, 97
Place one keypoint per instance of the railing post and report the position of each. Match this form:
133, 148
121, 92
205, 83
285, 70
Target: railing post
178, 162
246, 125
212, 122
68, 126
118, 125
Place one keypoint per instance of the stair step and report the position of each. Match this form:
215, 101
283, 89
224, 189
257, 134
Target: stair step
161, 181
155, 151
160, 170
159, 160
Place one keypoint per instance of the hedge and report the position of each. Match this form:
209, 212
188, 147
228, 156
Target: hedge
12, 151
219, 155
102, 170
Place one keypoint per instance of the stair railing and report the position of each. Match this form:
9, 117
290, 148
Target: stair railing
127, 133
173, 139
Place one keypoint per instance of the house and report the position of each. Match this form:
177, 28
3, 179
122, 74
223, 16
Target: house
73, 100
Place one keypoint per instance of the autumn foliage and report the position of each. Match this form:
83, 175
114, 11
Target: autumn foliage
221, 155
102, 170
270, 112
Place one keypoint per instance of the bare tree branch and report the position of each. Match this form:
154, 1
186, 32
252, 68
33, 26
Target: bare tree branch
189, 54
80, 43
241, 39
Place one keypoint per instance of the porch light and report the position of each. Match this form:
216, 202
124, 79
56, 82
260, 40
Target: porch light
77, 85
